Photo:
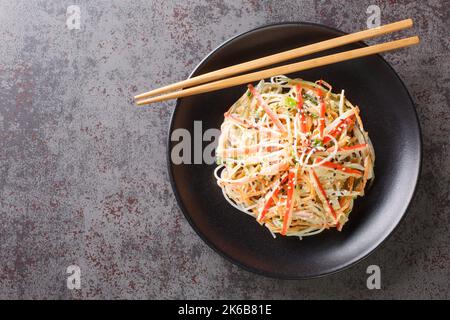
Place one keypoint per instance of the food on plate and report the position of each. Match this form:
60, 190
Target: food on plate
294, 155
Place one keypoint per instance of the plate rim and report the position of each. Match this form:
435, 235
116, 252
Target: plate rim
269, 274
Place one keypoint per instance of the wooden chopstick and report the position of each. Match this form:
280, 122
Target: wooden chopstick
286, 69
280, 57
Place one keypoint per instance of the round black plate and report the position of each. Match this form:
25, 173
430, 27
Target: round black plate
389, 117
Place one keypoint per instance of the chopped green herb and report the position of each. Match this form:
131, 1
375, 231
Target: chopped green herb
249, 94
317, 143
290, 102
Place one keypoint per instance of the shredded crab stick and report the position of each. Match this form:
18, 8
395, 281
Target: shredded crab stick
339, 129
294, 155
300, 108
266, 108
356, 147
289, 203
340, 168
322, 113
233, 152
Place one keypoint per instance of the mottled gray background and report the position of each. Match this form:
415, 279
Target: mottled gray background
83, 176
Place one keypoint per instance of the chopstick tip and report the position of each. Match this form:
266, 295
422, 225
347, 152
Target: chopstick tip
410, 22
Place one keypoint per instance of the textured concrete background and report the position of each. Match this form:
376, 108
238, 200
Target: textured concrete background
82, 171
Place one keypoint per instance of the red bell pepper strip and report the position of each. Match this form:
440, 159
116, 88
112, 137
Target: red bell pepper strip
266, 108
270, 201
323, 194
289, 204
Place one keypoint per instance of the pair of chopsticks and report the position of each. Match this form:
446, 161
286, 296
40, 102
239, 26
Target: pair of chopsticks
202, 83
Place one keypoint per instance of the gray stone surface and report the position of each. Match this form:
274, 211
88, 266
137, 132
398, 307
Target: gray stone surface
82, 171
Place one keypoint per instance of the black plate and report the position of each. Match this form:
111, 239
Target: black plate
388, 115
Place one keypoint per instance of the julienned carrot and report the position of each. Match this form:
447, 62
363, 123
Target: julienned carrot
266, 108
270, 201
323, 194
289, 203
339, 167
